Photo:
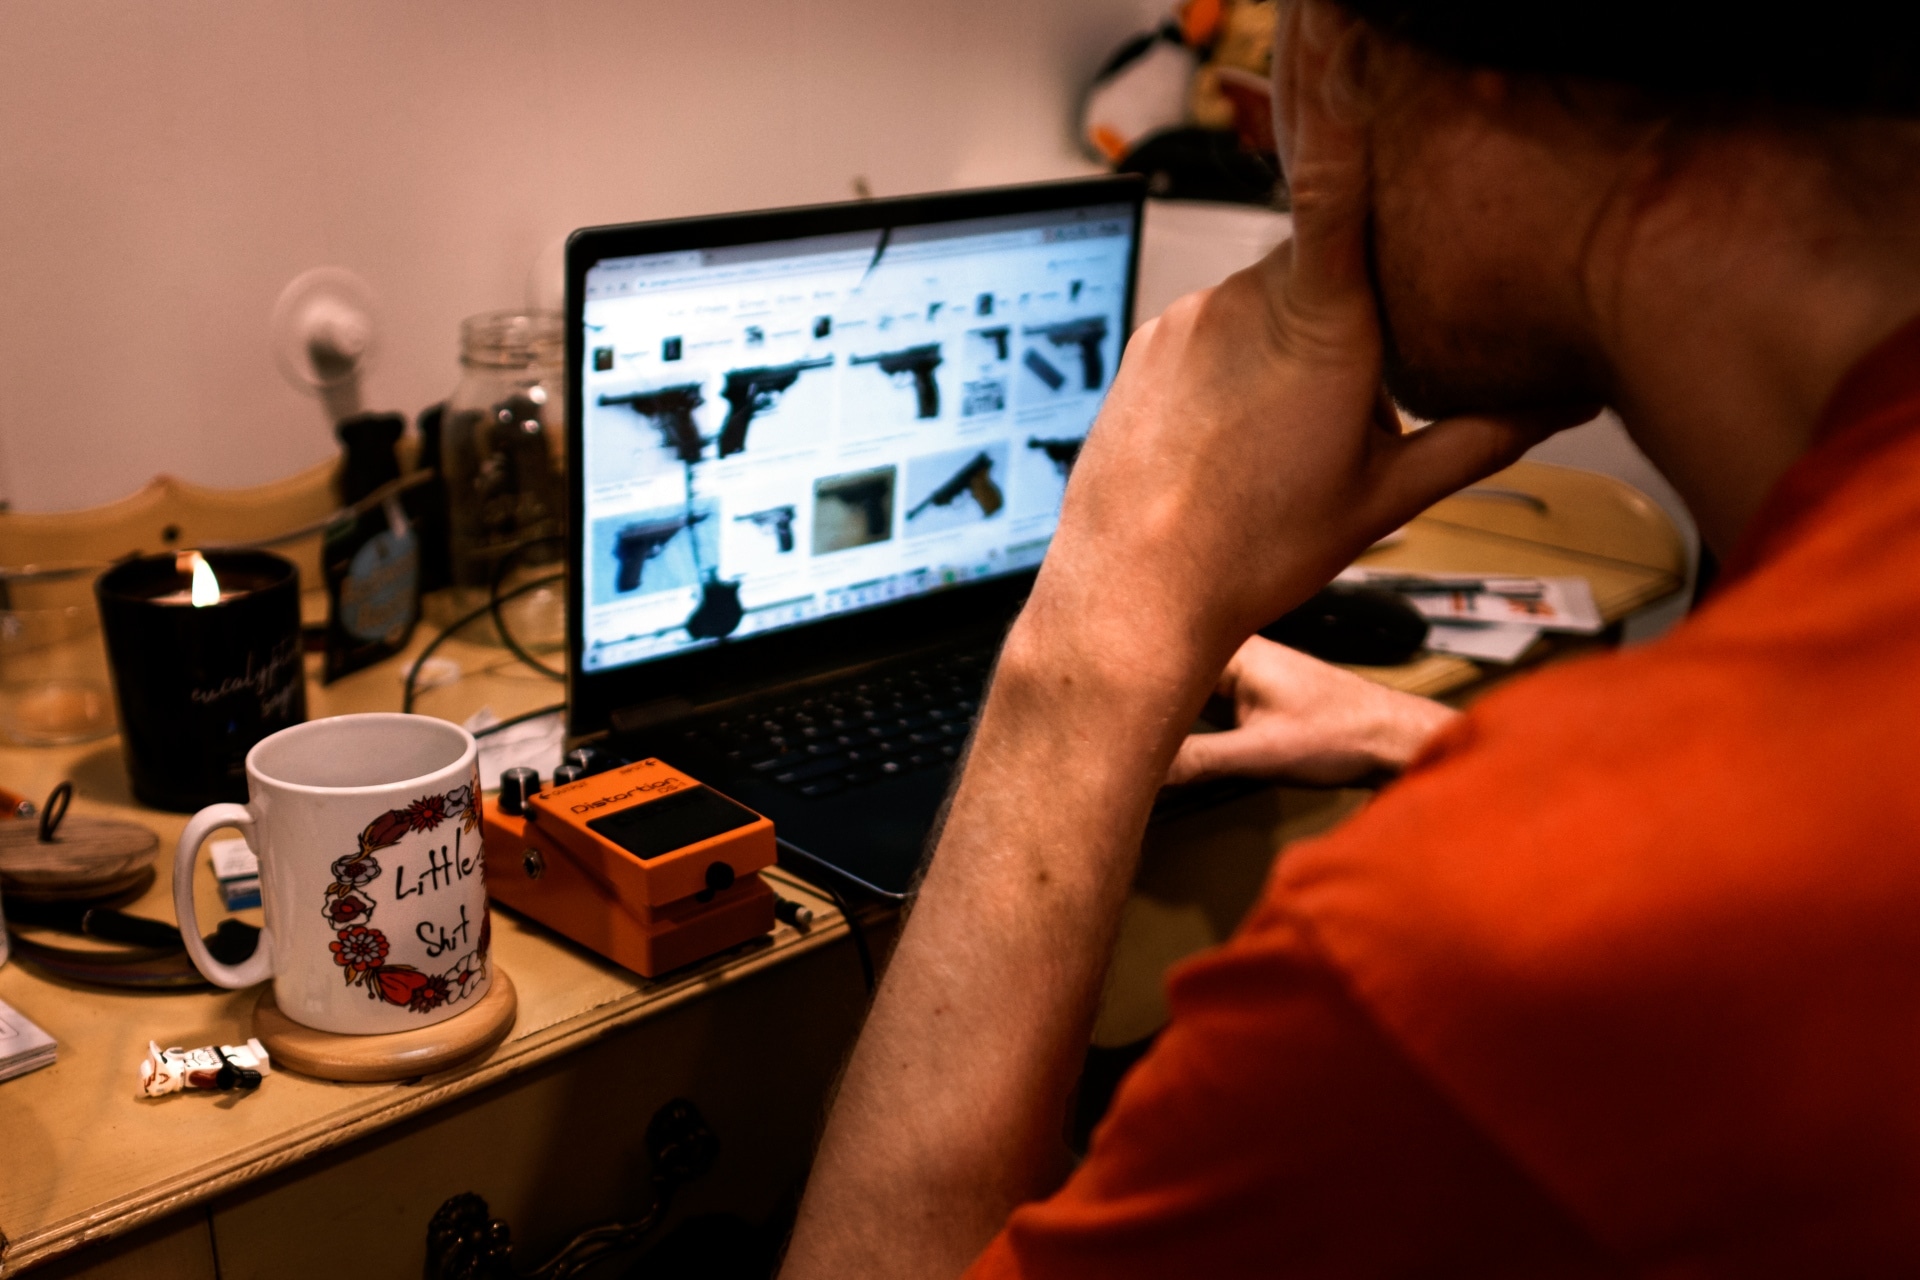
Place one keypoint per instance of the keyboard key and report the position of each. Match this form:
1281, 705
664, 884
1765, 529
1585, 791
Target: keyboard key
822, 787
817, 768
780, 763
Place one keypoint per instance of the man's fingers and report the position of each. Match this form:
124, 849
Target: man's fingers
1212, 755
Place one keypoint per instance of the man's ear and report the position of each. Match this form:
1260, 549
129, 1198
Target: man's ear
1318, 48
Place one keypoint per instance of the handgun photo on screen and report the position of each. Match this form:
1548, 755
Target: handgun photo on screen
914, 365
852, 510
669, 411
776, 521
958, 487
754, 391
660, 549
1088, 334
1061, 453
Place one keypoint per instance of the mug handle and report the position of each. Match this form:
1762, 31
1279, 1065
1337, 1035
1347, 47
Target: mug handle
257, 967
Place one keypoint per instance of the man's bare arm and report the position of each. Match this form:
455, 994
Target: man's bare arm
1242, 458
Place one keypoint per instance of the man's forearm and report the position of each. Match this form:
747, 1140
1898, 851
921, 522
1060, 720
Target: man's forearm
951, 1110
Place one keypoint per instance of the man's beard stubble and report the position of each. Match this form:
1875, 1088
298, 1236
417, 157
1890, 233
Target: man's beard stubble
1474, 355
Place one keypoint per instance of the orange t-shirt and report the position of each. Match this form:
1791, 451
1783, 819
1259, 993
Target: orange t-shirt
1622, 978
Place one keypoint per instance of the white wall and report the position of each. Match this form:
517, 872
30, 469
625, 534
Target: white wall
167, 168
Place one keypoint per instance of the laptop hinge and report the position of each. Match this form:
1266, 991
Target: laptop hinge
648, 714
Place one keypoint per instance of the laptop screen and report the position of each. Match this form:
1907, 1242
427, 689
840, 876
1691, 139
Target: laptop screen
773, 434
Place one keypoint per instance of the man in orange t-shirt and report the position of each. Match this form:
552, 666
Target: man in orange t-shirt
1623, 976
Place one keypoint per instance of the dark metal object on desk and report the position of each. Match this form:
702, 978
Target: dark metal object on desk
517, 786
1358, 625
198, 686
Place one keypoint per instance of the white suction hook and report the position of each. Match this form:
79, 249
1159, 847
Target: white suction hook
324, 335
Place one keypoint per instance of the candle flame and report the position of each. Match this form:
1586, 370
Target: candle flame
206, 587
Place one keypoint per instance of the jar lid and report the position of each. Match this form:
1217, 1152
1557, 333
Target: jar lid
512, 339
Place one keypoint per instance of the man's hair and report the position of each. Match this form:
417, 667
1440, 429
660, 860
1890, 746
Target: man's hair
1846, 57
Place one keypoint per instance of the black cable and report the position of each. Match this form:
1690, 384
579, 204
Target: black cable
857, 930
522, 718
55, 811
495, 600
853, 922
413, 672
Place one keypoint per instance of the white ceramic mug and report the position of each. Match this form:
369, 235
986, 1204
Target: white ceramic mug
367, 828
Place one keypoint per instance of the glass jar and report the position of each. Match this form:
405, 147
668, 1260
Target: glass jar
503, 452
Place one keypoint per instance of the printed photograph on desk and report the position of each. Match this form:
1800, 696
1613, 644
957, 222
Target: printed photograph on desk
1547, 603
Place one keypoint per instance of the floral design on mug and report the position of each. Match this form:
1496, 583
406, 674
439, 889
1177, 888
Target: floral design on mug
358, 950
361, 950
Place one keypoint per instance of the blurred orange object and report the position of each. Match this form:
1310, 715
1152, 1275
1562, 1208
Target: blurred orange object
642, 864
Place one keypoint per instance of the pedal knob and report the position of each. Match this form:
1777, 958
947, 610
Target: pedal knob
719, 877
566, 773
517, 786
587, 759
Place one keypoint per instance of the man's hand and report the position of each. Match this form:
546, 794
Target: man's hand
1298, 717
1246, 452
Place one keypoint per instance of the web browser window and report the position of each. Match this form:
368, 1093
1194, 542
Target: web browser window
777, 433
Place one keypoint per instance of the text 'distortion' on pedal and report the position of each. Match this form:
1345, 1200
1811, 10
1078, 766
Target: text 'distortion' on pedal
641, 863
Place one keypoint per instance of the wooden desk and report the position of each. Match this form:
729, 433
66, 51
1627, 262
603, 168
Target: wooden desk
295, 1178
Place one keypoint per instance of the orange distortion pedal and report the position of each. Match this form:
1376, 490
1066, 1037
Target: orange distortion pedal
641, 863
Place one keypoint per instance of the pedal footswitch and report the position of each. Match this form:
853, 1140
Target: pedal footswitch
641, 863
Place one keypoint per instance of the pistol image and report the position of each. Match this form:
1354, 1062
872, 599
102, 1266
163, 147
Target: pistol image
638, 543
1042, 368
670, 410
751, 391
1087, 334
778, 519
1061, 453
975, 478
918, 361
868, 492
999, 336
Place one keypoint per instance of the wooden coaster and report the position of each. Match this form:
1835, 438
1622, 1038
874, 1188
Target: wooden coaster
398, 1055
87, 858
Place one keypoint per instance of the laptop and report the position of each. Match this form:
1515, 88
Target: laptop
816, 458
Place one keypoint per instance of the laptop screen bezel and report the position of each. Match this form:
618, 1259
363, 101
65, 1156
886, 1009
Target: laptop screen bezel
595, 697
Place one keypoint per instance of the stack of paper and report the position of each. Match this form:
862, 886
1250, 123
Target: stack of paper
23, 1046
1489, 617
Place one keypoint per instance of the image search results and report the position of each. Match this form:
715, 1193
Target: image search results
775, 433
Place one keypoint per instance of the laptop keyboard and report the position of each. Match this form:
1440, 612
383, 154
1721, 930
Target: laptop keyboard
873, 727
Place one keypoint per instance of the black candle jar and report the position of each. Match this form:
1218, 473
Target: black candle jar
198, 685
